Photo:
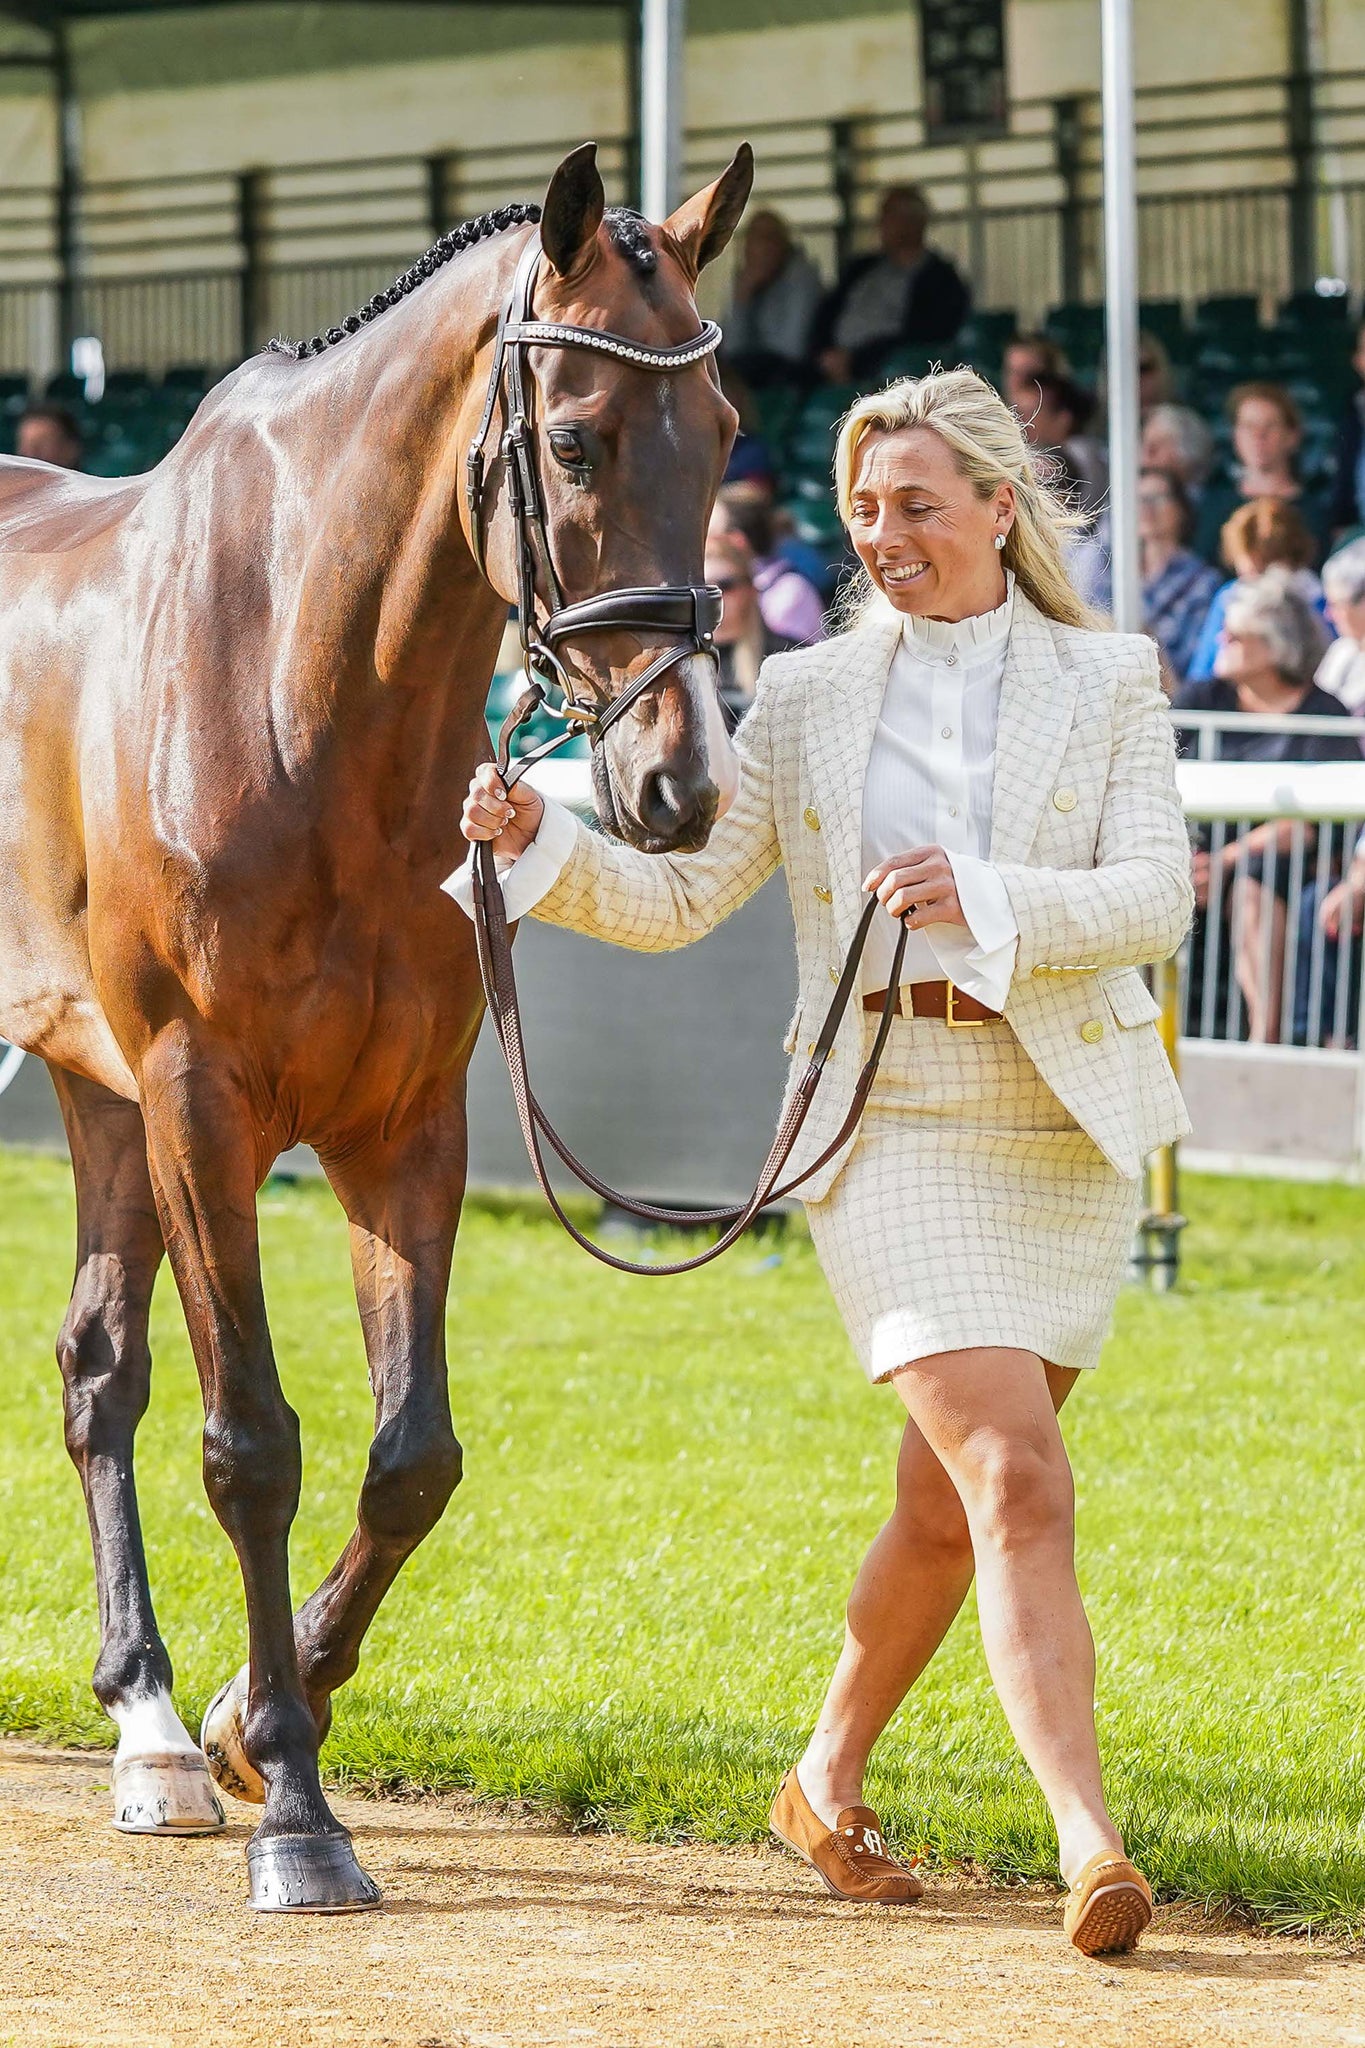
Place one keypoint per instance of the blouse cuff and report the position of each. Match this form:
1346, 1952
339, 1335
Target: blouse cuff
980, 960
528, 876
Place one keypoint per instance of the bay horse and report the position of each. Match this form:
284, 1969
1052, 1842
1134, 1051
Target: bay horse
240, 700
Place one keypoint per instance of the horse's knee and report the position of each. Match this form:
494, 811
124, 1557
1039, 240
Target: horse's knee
253, 1464
106, 1370
414, 1468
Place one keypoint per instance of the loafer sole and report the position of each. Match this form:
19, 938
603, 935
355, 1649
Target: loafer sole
1112, 1922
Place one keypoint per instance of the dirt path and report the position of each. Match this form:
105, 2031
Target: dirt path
503, 1932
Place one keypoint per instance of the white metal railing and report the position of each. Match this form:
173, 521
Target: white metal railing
11, 1059
1275, 954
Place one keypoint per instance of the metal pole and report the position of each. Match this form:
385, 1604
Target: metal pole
662, 24
1120, 293
68, 113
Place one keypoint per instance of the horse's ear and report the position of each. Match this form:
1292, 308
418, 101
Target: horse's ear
702, 225
573, 209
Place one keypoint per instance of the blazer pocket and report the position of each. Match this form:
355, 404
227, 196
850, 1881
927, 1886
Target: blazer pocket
1130, 999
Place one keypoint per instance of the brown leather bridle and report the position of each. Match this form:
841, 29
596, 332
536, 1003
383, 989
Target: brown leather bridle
692, 612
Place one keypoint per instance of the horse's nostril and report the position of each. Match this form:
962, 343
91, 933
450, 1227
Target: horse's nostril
674, 809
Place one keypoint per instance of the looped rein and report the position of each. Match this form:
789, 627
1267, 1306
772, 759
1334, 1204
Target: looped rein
692, 613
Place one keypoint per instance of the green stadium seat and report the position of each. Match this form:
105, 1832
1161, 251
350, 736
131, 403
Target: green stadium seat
1227, 315
1164, 319
914, 362
1078, 331
1316, 310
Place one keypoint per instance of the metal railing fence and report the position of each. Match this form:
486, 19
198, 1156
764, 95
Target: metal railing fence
1275, 954
206, 267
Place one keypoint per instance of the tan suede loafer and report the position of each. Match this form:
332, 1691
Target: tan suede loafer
850, 1860
1108, 1906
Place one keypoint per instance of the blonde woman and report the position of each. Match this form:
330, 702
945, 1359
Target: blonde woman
1000, 771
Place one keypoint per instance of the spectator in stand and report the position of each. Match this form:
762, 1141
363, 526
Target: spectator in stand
757, 486
776, 295
743, 641
1176, 439
1342, 673
49, 433
1055, 427
1265, 534
1271, 644
1156, 385
1027, 358
1348, 498
791, 604
906, 296
1266, 436
1177, 588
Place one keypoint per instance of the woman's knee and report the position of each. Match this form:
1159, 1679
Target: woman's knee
929, 1517
1019, 1493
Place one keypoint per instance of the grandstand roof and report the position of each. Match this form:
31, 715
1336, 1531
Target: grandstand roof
49, 14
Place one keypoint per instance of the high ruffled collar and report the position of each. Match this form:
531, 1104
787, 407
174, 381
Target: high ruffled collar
962, 637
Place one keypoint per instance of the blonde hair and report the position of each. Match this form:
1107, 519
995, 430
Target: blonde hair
988, 447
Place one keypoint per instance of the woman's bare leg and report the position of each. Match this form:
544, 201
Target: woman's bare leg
907, 1593
908, 1589
990, 1418
1259, 963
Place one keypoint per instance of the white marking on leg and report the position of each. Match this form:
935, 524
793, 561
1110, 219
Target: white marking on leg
160, 1782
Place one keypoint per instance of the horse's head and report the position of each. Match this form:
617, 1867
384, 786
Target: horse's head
627, 459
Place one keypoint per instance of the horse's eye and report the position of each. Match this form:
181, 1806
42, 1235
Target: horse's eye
567, 444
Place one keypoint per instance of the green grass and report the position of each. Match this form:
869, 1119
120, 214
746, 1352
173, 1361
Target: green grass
633, 1603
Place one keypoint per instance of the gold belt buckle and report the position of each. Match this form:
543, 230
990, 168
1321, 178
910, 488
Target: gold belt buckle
951, 1018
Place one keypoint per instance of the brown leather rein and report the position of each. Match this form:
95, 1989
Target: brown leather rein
691, 612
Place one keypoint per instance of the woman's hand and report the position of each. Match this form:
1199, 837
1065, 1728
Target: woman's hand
491, 813
919, 883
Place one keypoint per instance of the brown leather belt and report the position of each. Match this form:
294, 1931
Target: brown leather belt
939, 999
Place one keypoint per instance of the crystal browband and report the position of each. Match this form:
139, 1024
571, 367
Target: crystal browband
552, 334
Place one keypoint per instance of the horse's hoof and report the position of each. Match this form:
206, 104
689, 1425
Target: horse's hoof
308, 1874
220, 1738
171, 1794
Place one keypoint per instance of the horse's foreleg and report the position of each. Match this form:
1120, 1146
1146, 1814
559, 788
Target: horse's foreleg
204, 1147
403, 1201
160, 1782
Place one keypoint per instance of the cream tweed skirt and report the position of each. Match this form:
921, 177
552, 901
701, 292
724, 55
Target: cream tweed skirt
973, 1209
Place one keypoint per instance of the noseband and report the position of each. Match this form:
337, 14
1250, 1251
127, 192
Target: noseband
690, 612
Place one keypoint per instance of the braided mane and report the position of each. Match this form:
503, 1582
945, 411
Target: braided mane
517, 214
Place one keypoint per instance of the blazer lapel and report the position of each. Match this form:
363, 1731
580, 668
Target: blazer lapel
1037, 706
842, 726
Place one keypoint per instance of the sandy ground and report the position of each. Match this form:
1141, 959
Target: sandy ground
502, 1932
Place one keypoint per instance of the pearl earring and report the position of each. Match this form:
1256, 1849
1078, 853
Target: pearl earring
1000, 540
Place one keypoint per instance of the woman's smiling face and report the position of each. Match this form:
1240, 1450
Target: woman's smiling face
919, 529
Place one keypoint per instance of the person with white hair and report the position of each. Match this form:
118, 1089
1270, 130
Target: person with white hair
978, 754
1271, 644
1342, 670
1176, 439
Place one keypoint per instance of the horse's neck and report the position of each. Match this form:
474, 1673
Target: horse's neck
390, 601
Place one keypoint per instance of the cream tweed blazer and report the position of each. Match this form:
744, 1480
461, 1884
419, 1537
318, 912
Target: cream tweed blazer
1087, 833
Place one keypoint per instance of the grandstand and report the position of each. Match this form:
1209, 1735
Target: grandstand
233, 184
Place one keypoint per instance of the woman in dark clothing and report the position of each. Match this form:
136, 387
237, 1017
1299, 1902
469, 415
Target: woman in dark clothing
1272, 642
